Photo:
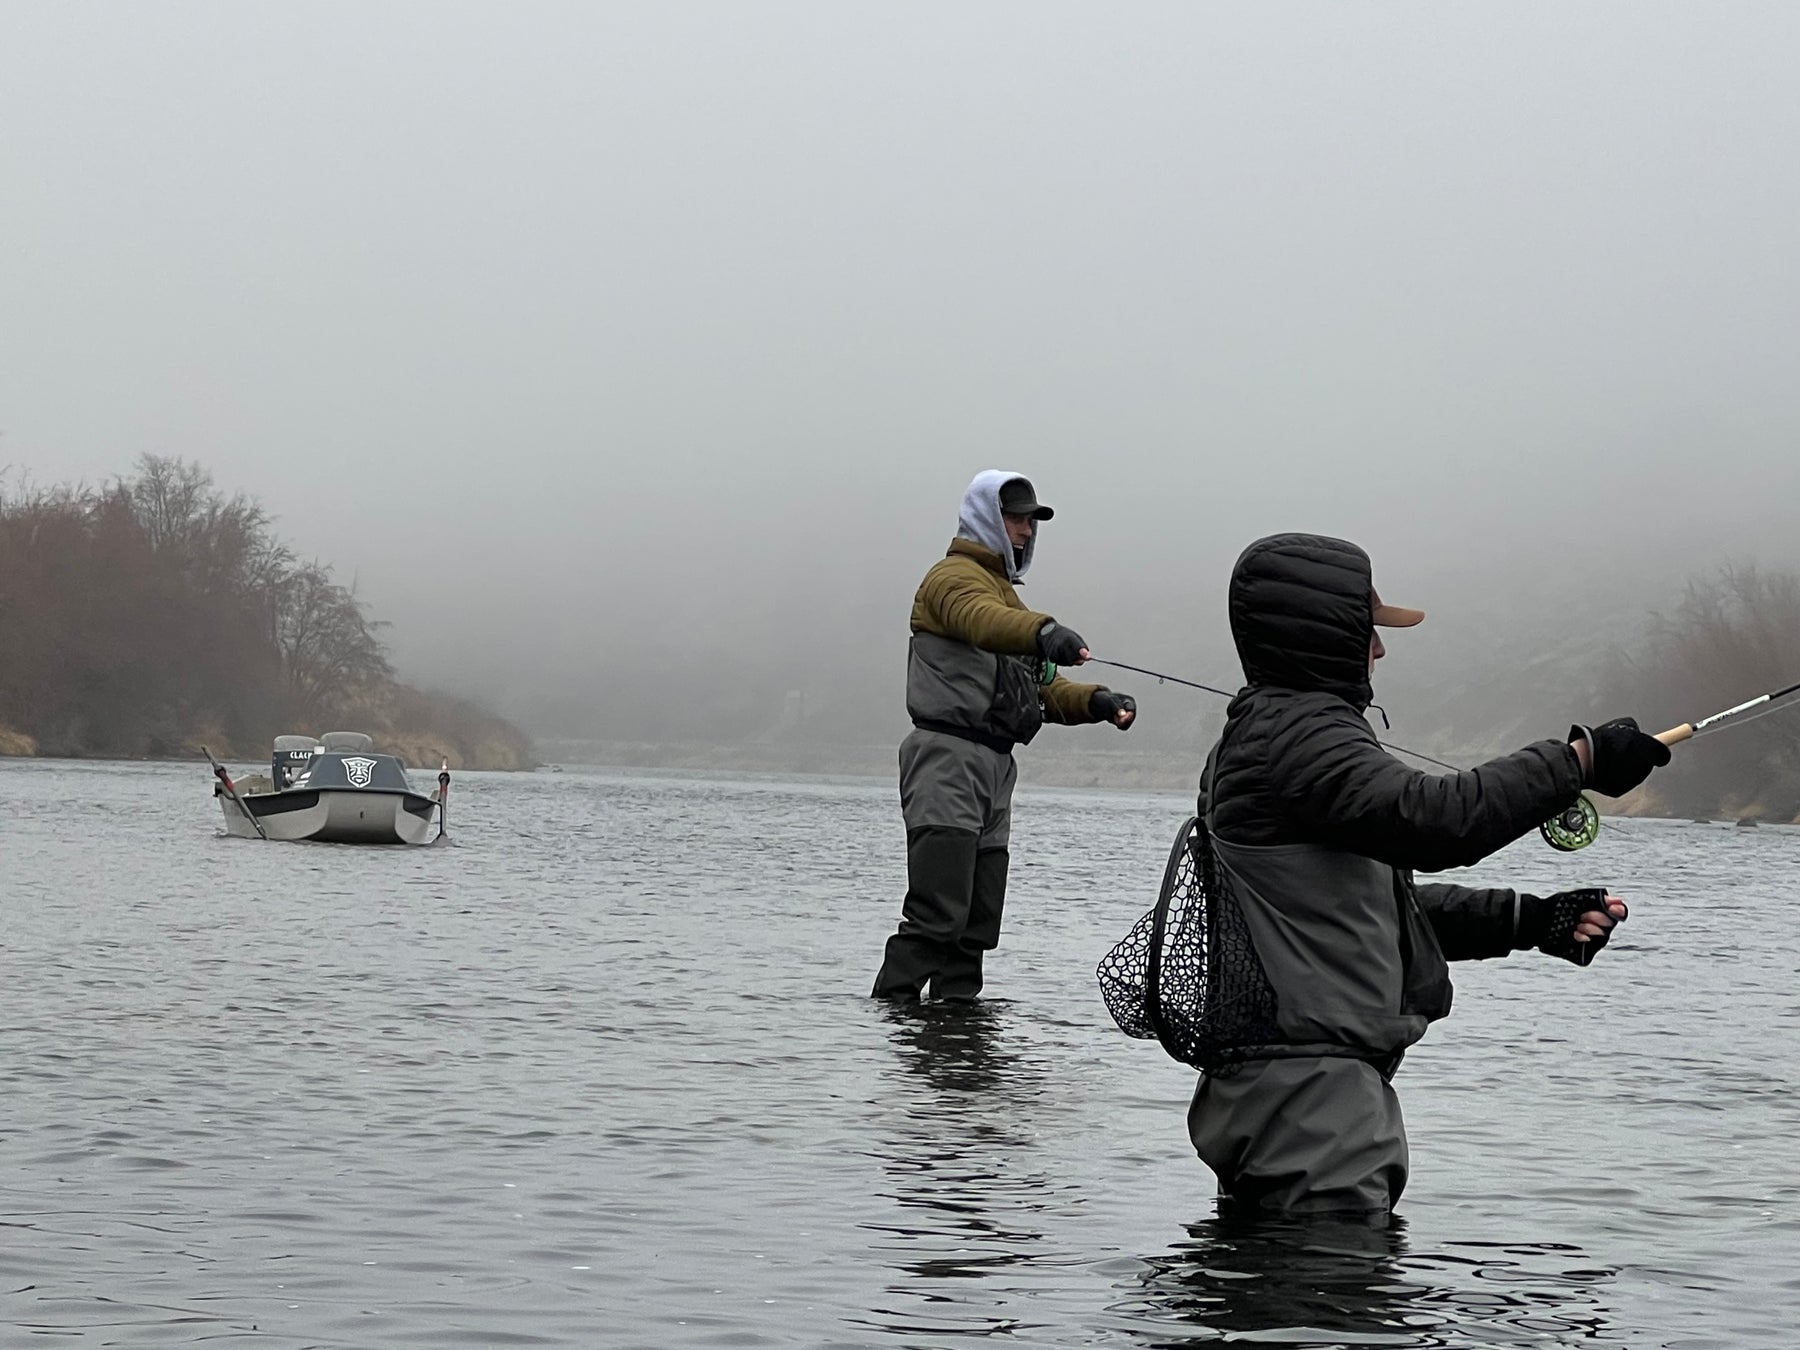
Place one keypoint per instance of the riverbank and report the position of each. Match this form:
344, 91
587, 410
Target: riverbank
420, 750
16, 744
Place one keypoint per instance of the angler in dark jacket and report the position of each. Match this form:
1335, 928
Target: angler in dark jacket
978, 683
1317, 831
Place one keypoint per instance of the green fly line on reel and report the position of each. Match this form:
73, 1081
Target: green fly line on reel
1575, 827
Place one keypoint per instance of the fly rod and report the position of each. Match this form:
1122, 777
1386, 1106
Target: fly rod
1688, 730
1579, 824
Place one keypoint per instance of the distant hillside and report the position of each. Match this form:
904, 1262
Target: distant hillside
156, 614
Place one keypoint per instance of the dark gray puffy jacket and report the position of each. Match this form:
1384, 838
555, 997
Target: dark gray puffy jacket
1298, 763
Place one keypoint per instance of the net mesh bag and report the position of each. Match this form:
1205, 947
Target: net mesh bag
1187, 974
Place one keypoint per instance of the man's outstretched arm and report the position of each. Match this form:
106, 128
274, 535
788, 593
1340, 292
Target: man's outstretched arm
959, 605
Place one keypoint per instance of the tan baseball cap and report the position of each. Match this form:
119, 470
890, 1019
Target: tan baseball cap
1394, 616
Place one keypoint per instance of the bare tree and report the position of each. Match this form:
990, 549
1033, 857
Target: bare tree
134, 615
166, 496
328, 646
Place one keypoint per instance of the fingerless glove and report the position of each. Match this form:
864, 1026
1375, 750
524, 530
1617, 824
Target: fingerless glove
1547, 922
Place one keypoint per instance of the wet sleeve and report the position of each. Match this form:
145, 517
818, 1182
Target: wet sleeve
1471, 923
1331, 775
1066, 702
960, 605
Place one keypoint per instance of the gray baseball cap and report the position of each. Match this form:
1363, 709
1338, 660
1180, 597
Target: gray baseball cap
1019, 498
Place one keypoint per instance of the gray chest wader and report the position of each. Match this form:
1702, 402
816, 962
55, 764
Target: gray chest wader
956, 784
1309, 1123
1354, 964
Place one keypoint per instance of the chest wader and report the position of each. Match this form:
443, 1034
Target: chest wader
1310, 1122
956, 787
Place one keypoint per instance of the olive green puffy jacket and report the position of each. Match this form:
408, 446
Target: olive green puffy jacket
965, 618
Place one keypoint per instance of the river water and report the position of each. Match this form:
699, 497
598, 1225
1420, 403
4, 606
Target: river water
603, 1073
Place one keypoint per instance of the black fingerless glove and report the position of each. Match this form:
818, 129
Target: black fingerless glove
1104, 705
1619, 755
1060, 643
1547, 922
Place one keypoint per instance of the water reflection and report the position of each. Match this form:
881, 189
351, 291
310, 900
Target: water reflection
956, 1152
958, 1135
958, 1049
1349, 1281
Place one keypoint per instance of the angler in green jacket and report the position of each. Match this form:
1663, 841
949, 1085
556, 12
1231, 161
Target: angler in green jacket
980, 679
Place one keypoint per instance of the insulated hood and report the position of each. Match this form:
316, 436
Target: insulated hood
979, 521
1302, 613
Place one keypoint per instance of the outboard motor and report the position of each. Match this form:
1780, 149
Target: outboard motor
292, 755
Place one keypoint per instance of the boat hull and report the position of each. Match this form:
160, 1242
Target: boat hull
334, 815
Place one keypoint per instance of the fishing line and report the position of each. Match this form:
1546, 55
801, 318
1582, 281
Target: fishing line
1159, 676
1223, 693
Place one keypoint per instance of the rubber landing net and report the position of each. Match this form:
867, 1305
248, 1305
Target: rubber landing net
1187, 974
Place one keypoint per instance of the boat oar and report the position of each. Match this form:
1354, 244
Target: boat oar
231, 790
443, 798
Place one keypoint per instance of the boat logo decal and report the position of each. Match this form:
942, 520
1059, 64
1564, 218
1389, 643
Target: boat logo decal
360, 770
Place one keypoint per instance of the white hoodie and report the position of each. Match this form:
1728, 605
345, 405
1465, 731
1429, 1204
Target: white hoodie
980, 521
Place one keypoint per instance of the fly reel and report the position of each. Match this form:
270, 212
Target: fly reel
1575, 827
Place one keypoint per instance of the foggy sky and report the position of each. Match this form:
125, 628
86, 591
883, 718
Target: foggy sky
599, 343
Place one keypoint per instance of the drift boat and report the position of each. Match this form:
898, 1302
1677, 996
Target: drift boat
336, 790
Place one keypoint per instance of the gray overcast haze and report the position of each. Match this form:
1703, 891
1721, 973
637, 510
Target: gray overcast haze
624, 352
